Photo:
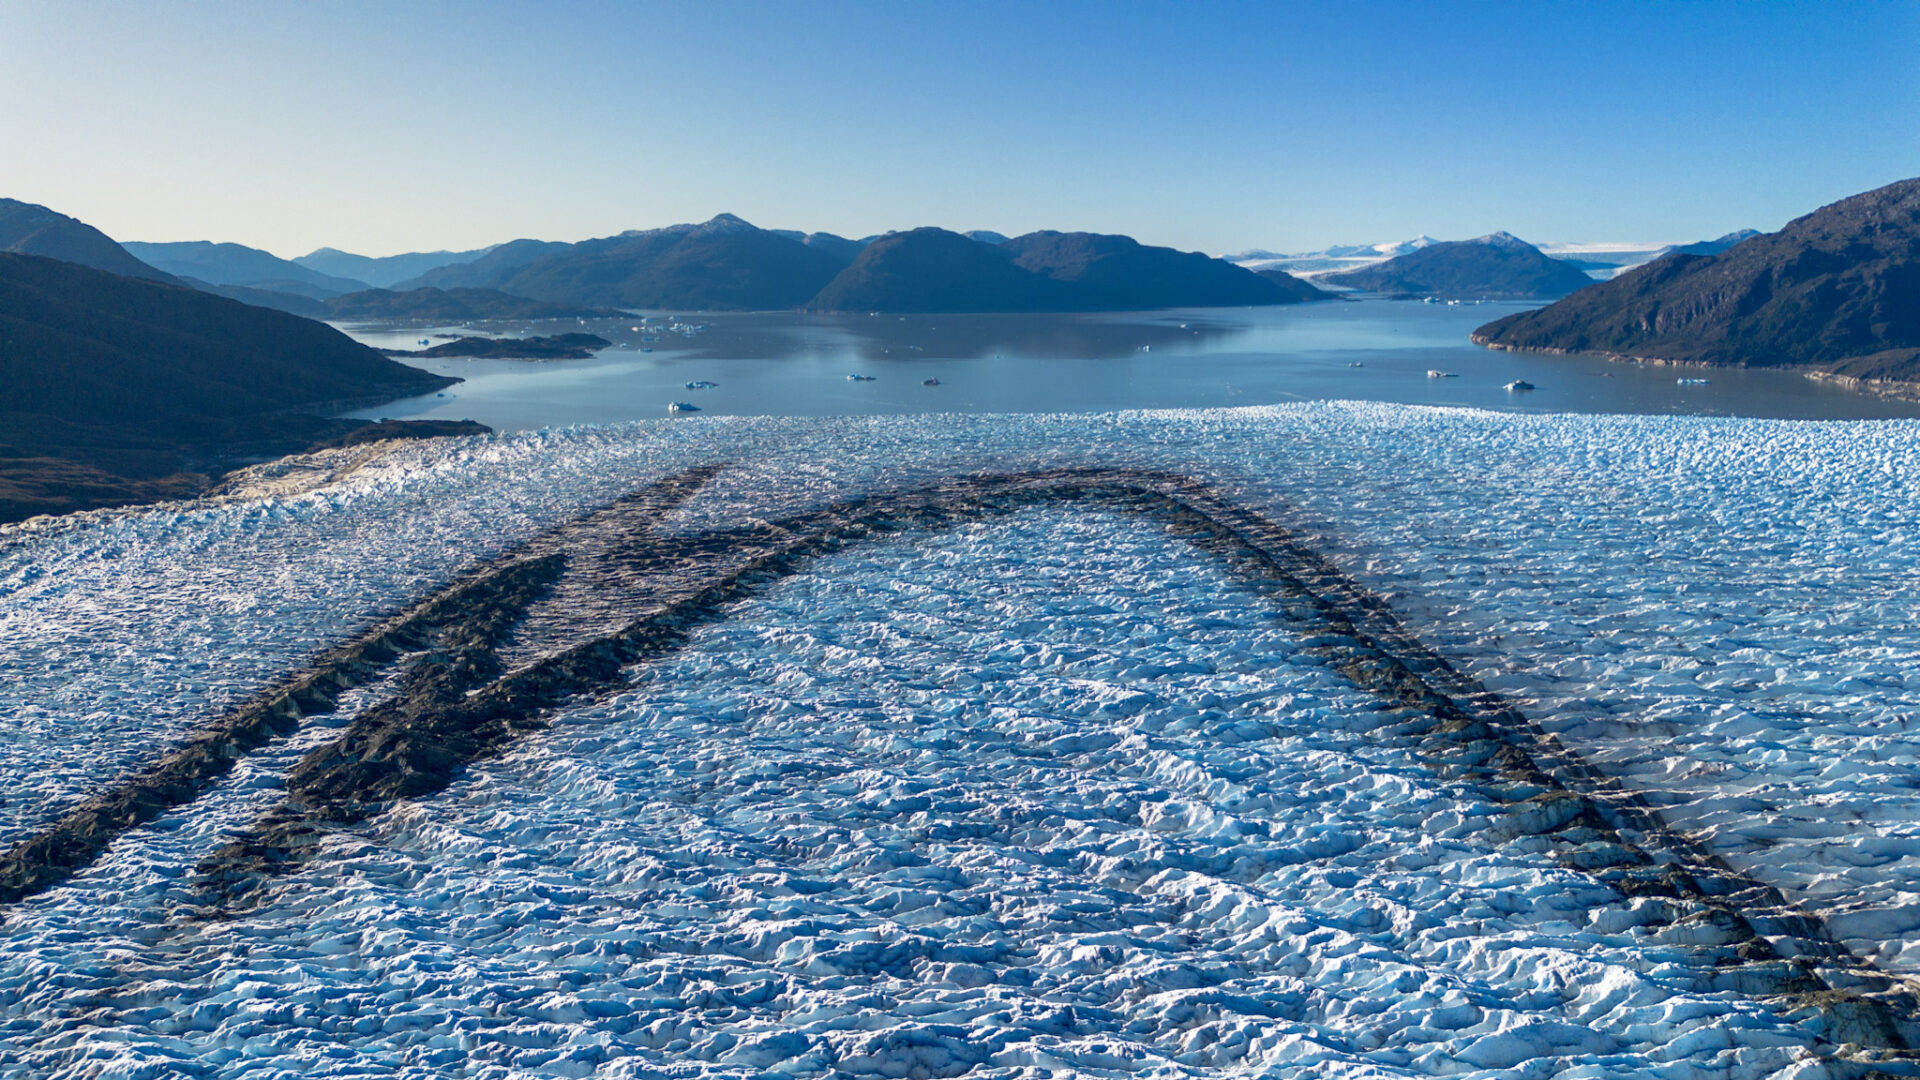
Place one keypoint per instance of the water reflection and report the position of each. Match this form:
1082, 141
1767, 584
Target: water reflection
793, 364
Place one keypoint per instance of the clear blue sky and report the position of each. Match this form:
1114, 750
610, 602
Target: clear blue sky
392, 126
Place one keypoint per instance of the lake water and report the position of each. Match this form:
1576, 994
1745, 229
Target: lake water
787, 364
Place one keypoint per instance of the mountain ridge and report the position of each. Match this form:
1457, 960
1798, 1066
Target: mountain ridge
384, 271
31, 229
1836, 291
237, 264
727, 263
936, 270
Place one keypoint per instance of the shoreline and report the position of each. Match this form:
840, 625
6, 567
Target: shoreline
1880, 388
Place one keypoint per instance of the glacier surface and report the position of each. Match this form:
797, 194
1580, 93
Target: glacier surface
1043, 794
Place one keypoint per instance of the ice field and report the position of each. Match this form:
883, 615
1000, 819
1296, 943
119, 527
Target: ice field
1050, 793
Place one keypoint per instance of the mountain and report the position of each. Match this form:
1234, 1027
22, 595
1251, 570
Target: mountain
117, 389
485, 271
933, 270
237, 264
1118, 273
32, 229
721, 264
728, 264
986, 236
1495, 267
1837, 290
387, 270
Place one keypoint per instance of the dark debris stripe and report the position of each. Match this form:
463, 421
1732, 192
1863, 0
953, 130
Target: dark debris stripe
491, 592
455, 707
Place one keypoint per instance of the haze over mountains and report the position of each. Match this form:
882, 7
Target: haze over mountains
1837, 290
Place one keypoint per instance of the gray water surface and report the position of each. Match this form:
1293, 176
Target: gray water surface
792, 364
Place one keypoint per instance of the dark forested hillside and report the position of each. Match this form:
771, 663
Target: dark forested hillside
1837, 290
113, 389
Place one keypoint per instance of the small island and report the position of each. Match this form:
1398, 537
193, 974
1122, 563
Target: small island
557, 347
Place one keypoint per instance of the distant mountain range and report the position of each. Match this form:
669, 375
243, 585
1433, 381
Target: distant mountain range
933, 270
1837, 291
722, 264
499, 260
323, 274
122, 389
1600, 261
1500, 266
385, 271
729, 264
237, 264
718, 265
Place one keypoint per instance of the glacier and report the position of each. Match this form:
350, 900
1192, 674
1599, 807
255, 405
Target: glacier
1045, 794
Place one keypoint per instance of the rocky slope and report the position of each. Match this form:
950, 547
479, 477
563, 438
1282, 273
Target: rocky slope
1836, 291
